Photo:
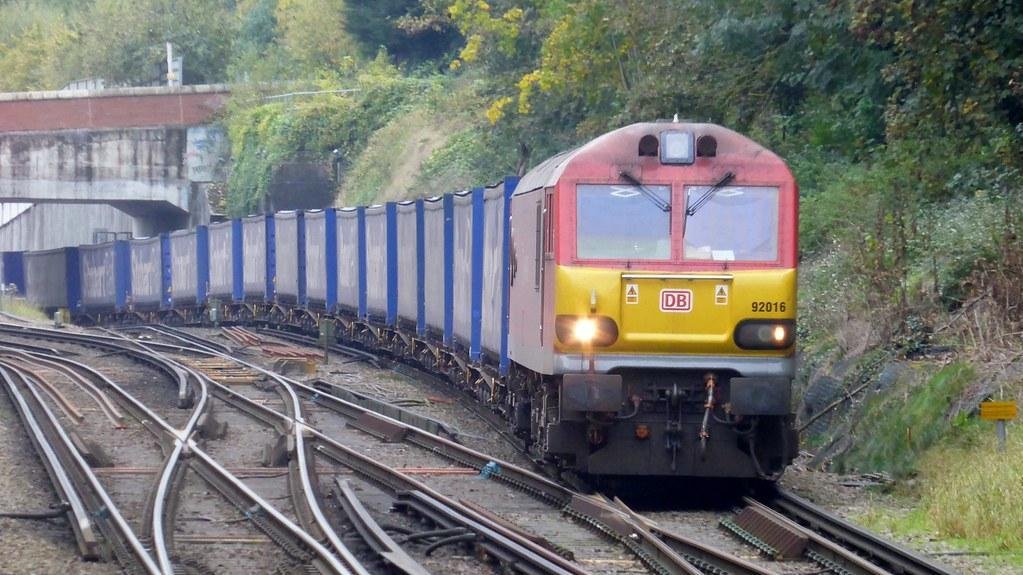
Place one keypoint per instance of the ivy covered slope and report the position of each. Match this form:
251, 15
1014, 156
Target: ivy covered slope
903, 122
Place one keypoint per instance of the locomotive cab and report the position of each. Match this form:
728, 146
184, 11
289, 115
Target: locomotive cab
653, 304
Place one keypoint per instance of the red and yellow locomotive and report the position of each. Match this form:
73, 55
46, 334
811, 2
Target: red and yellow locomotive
653, 302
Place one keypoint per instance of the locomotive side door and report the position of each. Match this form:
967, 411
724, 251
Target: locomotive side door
528, 344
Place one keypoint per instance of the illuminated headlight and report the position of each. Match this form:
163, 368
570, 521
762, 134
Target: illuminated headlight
765, 334
676, 147
584, 330
594, 330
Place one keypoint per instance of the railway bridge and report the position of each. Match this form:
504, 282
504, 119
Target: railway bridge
149, 152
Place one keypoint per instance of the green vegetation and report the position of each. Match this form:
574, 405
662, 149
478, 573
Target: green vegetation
17, 306
968, 491
971, 488
900, 424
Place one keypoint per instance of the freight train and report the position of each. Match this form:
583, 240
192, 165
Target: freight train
628, 305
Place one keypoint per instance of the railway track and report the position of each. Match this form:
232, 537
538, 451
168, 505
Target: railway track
832, 542
834, 545
354, 458
297, 542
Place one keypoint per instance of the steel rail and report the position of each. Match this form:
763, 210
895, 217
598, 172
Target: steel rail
296, 424
61, 400
88, 542
612, 522
172, 462
525, 549
396, 482
99, 398
353, 352
373, 534
211, 466
889, 554
107, 342
109, 509
829, 554
635, 533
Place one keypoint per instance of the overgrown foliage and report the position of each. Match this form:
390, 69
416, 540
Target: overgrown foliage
336, 125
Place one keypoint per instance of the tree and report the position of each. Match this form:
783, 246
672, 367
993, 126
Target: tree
123, 41
410, 30
33, 40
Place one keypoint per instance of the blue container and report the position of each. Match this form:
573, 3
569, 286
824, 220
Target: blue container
13, 266
376, 268
349, 261
259, 274
225, 261
190, 266
53, 279
407, 264
105, 276
148, 290
433, 247
290, 234
321, 258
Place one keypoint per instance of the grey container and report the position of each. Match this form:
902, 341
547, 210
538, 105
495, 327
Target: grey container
493, 270
184, 267
376, 262
46, 278
254, 248
286, 236
348, 258
316, 257
433, 248
408, 277
462, 279
221, 260
98, 275
146, 273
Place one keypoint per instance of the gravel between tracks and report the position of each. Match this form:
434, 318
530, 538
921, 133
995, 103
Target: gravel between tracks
32, 546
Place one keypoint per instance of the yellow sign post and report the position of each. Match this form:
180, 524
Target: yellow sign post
998, 412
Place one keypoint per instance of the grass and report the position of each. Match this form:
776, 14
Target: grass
973, 491
965, 495
21, 308
902, 423
387, 167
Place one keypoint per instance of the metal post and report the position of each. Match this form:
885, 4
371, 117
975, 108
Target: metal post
326, 335
1000, 426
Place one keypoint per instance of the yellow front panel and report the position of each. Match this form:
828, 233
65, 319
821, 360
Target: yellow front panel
684, 313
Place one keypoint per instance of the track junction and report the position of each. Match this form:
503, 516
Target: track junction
173, 451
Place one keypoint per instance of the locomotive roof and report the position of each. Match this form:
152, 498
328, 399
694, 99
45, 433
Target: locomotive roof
621, 146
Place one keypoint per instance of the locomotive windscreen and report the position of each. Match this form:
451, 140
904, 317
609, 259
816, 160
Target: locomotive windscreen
622, 222
749, 215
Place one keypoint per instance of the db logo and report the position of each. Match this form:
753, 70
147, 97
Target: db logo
676, 300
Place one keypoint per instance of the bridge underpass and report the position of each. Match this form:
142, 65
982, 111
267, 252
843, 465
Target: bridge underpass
149, 152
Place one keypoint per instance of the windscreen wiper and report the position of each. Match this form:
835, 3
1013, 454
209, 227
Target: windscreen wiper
708, 193
657, 201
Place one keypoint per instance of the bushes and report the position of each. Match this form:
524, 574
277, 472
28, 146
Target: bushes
265, 135
903, 422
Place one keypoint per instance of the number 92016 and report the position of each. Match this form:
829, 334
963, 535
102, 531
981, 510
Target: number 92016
768, 306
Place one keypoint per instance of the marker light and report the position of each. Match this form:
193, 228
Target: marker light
765, 334
676, 147
587, 330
